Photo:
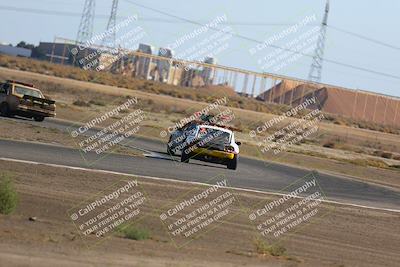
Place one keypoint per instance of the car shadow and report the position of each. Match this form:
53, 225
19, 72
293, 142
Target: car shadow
177, 160
16, 118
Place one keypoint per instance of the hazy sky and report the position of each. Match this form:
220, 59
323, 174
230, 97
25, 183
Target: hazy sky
376, 20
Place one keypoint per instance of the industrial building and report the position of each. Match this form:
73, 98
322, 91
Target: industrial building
164, 66
10, 50
144, 65
355, 104
57, 52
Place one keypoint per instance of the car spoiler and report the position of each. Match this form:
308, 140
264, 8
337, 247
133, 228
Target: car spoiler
39, 99
199, 122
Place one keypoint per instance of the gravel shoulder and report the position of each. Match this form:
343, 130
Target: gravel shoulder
345, 236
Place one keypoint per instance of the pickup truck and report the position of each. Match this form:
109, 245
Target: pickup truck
25, 100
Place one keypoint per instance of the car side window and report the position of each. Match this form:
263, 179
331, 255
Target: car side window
191, 128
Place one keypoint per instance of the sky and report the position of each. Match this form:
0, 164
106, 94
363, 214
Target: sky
264, 19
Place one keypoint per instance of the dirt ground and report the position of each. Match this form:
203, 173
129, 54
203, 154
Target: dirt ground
167, 109
19, 129
344, 236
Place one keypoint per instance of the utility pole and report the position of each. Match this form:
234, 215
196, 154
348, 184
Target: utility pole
85, 30
109, 40
316, 65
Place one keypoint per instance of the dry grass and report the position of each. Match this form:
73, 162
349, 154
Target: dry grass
196, 94
78, 100
265, 249
133, 232
106, 78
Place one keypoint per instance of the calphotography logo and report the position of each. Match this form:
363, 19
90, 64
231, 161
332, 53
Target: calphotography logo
101, 216
295, 208
204, 133
100, 54
286, 132
109, 131
200, 133
199, 212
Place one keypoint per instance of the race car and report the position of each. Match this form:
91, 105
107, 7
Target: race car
205, 142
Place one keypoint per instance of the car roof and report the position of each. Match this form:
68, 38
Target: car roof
20, 83
215, 127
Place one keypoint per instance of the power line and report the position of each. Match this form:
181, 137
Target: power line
259, 42
364, 37
46, 12
103, 16
149, 19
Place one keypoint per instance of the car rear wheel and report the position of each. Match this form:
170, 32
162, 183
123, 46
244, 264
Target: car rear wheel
5, 110
232, 164
171, 152
185, 157
38, 118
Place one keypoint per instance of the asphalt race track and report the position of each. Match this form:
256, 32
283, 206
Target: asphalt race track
251, 174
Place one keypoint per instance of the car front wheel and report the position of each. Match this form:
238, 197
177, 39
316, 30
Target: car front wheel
5, 110
38, 118
170, 151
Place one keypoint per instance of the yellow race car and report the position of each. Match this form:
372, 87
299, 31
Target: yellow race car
211, 144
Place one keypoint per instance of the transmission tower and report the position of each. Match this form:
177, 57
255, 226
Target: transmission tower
109, 39
316, 65
85, 31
